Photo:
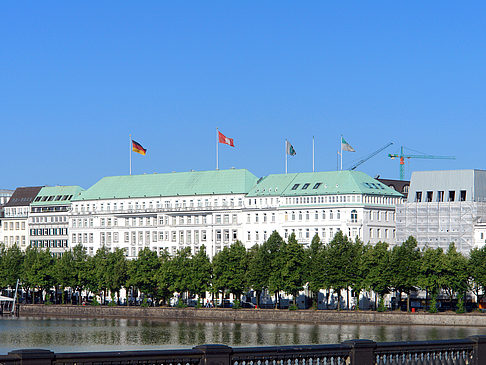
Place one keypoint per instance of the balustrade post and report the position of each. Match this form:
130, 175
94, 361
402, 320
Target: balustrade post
362, 352
33, 356
215, 354
479, 349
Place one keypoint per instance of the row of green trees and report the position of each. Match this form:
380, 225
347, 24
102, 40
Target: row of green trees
275, 266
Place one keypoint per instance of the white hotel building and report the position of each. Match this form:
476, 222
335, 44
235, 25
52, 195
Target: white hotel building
215, 208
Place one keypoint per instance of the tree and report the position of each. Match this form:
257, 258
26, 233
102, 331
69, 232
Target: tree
11, 266
257, 275
162, 277
116, 272
376, 262
64, 274
229, 270
142, 272
340, 264
174, 271
357, 279
477, 269
316, 267
99, 272
456, 274
200, 271
38, 270
293, 268
431, 271
80, 269
404, 268
273, 249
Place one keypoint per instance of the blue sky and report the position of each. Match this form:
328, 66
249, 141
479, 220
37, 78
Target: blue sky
77, 78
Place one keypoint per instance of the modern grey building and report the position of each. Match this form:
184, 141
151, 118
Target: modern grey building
444, 207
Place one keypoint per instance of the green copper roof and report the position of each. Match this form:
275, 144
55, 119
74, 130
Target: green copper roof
320, 183
56, 195
237, 181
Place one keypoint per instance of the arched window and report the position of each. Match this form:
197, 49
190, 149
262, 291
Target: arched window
354, 216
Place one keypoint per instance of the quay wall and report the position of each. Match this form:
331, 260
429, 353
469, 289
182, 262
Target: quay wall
256, 315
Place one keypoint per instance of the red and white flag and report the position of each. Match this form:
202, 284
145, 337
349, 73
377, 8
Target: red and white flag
223, 139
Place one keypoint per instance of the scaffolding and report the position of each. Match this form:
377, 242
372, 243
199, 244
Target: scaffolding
437, 224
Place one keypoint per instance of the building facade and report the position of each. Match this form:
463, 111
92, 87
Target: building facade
216, 208
162, 211
321, 203
444, 207
15, 221
48, 218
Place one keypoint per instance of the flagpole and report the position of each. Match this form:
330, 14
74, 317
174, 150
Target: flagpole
130, 152
341, 143
217, 149
313, 155
285, 150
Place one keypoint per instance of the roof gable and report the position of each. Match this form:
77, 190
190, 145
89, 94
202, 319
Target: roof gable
56, 195
23, 196
321, 183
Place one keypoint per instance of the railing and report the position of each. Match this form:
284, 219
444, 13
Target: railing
470, 351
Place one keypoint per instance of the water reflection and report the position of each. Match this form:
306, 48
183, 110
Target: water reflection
130, 334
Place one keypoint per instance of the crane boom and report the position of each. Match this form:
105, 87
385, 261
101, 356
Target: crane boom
402, 157
370, 156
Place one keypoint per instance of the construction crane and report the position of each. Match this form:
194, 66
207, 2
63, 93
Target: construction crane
403, 157
370, 156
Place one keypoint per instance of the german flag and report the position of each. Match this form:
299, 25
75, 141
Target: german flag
137, 147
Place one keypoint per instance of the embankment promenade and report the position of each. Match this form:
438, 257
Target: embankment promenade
256, 315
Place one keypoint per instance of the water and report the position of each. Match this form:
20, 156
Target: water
70, 335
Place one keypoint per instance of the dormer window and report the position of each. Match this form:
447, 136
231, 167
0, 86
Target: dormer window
295, 186
305, 186
316, 186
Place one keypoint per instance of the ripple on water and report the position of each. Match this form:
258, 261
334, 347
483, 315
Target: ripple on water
95, 334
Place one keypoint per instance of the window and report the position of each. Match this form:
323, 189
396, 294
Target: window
273, 217
463, 196
295, 186
418, 196
452, 195
338, 214
440, 196
305, 186
429, 196
354, 216
316, 186
331, 216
